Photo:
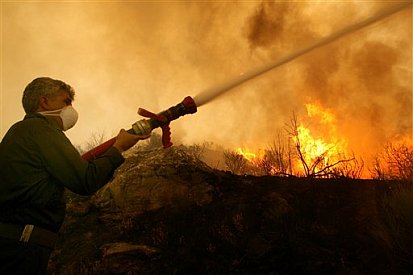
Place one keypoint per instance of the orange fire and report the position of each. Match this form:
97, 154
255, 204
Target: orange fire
323, 149
315, 147
250, 156
327, 148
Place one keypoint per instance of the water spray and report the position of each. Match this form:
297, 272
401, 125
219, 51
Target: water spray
212, 93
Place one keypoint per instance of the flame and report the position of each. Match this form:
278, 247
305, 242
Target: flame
406, 140
317, 151
328, 148
250, 156
316, 110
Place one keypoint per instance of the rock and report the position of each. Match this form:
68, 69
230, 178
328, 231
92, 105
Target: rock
150, 181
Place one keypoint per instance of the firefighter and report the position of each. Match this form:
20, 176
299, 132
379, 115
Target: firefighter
37, 163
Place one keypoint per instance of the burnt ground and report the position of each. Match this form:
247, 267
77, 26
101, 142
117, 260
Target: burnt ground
166, 212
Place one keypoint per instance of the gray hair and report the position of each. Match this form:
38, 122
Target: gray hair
43, 86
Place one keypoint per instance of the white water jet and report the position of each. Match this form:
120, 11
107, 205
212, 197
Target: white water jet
214, 92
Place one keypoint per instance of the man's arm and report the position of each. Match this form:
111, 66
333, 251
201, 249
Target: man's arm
64, 163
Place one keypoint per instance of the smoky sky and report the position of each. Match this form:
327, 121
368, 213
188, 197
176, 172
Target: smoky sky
365, 77
123, 55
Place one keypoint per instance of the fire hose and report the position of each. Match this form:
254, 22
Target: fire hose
145, 126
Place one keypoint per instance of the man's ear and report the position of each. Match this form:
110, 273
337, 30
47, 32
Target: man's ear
43, 104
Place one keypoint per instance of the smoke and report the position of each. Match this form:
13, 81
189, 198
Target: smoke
277, 26
123, 55
364, 78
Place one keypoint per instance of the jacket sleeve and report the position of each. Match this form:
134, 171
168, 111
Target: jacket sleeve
64, 163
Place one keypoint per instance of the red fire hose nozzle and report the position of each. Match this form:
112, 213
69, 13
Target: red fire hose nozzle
145, 126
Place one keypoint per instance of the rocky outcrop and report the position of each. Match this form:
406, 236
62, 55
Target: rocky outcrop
166, 212
152, 180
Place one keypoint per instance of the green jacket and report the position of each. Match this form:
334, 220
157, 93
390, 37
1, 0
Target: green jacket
37, 161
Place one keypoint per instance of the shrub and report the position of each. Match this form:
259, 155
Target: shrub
395, 162
235, 162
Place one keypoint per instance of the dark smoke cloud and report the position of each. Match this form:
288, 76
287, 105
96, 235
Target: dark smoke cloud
268, 25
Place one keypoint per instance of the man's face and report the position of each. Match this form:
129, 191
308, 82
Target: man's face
61, 100
55, 103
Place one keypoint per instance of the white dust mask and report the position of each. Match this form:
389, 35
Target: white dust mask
68, 115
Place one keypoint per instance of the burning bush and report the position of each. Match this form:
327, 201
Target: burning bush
298, 153
319, 158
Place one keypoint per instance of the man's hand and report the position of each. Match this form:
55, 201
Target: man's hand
125, 140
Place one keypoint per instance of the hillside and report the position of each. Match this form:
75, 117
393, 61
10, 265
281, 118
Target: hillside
166, 212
